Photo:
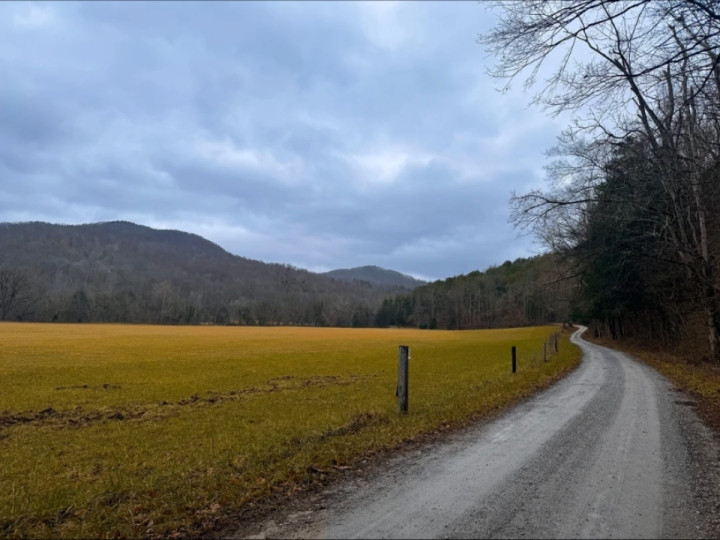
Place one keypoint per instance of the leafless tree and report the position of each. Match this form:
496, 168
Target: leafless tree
641, 69
14, 292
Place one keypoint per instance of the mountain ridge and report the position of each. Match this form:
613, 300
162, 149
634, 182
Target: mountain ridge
377, 275
124, 272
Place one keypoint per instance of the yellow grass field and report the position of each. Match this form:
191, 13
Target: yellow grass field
141, 431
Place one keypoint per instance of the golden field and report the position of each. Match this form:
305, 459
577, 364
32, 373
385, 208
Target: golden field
141, 431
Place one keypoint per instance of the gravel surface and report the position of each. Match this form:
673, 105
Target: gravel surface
611, 451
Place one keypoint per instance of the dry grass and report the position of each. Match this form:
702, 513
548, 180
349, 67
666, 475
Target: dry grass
138, 431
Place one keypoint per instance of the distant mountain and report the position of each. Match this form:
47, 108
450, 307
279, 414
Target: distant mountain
120, 271
376, 276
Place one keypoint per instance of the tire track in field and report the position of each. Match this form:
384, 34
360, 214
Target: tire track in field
79, 417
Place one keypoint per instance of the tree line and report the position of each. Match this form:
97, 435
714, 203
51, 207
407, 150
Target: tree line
526, 291
518, 293
24, 297
121, 272
633, 185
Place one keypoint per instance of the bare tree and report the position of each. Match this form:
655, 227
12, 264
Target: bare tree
14, 292
641, 69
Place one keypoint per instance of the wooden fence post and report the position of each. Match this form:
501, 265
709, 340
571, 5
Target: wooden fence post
402, 387
556, 343
514, 359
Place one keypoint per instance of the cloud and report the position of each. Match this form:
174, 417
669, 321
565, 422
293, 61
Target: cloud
385, 25
32, 15
322, 135
384, 165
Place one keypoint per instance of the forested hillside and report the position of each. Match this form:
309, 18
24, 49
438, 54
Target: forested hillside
122, 272
518, 293
376, 275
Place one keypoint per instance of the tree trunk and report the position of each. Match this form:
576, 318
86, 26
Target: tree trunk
712, 314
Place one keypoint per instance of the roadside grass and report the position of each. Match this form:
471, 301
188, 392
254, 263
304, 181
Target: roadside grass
698, 379
143, 431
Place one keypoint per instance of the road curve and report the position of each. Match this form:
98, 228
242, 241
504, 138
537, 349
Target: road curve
602, 454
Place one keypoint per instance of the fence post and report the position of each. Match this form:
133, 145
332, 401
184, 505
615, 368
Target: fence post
514, 359
402, 387
544, 351
556, 343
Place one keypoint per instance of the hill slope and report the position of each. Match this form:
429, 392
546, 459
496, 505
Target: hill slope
120, 271
376, 276
522, 292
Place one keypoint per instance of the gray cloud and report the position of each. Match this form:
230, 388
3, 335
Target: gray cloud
322, 135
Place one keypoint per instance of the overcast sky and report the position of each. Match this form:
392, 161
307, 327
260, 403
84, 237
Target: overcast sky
323, 135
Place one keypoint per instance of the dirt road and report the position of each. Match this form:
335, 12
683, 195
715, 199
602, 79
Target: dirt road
612, 451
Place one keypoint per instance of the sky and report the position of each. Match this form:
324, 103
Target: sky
322, 135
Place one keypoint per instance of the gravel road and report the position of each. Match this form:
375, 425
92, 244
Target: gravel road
611, 451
